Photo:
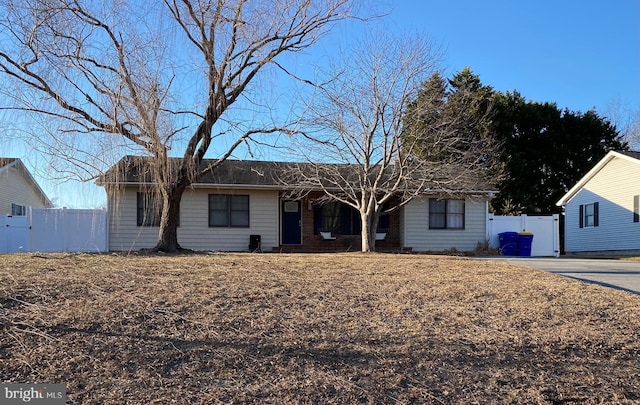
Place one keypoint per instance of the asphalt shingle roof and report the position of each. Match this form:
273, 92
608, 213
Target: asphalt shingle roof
630, 153
261, 174
136, 170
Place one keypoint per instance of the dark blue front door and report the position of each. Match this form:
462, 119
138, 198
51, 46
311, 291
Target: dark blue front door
291, 223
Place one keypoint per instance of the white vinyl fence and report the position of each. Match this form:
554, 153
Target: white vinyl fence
55, 230
545, 229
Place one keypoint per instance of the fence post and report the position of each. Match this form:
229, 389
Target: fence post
67, 229
556, 234
489, 223
29, 228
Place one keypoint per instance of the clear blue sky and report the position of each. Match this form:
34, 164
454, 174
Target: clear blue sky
578, 54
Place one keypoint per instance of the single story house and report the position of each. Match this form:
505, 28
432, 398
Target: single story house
18, 189
602, 211
241, 200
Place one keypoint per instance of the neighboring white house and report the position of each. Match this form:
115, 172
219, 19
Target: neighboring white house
602, 211
18, 189
241, 199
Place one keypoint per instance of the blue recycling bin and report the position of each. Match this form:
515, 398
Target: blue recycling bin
525, 239
508, 243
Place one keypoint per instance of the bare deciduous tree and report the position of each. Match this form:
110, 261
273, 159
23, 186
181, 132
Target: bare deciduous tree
157, 79
626, 121
632, 131
361, 155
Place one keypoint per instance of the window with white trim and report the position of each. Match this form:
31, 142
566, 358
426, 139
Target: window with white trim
148, 209
589, 215
446, 214
18, 210
231, 211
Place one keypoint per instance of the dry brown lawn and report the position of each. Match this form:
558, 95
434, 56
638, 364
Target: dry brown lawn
314, 329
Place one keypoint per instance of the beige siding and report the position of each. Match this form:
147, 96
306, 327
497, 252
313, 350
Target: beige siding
420, 238
17, 188
403, 228
613, 189
194, 231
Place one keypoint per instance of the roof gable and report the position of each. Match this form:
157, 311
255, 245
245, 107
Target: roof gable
8, 163
631, 156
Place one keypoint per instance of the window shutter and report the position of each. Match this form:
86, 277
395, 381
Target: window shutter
581, 216
139, 209
636, 208
595, 214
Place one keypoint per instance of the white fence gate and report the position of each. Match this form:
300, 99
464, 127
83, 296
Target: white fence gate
14, 234
545, 229
55, 230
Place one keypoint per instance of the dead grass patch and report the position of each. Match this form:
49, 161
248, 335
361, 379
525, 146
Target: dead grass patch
346, 328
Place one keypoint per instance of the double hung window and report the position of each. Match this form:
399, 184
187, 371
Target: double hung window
231, 211
446, 214
589, 215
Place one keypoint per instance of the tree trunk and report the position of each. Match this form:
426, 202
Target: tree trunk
168, 233
368, 234
373, 230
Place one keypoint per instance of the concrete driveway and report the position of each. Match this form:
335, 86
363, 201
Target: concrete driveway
619, 274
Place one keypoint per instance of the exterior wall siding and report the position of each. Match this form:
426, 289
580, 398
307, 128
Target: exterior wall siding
613, 189
420, 238
402, 228
408, 227
16, 188
194, 231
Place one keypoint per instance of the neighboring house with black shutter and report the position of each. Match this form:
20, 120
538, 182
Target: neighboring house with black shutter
602, 211
240, 200
18, 189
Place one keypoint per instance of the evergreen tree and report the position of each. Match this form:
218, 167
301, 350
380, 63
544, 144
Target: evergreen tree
543, 150
462, 104
546, 151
